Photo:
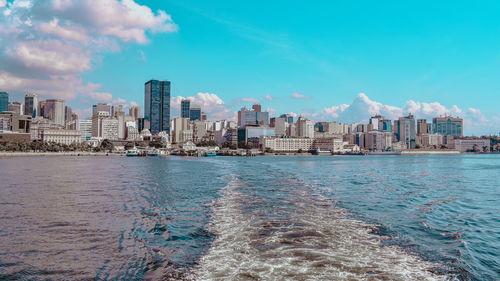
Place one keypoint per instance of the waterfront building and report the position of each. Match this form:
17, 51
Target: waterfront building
15, 122
406, 131
54, 109
39, 125
134, 112
85, 128
199, 130
61, 136
334, 145
4, 101
185, 108
15, 107
180, 125
378, 141
30, 104
471, 145
448, 126
132, 132
305, 128
195, 113
430, 140
252, 134
101, 107
157, 105
286, 144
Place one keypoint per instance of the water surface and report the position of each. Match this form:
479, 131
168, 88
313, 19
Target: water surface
262, 218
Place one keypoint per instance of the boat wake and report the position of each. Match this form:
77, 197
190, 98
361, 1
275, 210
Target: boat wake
297, 235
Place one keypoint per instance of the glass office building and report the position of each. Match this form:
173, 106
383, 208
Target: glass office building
195, 113
448, 126
4, 101
185, 108
157, 105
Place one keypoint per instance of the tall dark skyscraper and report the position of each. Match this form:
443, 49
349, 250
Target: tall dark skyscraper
157, 105
195, 113
4, 101
185, 108
30, 105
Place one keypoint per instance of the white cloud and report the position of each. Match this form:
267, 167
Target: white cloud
73, 33
271, 111
254, 100
268, 97
299, 96
362, 108
210, 103
46, 46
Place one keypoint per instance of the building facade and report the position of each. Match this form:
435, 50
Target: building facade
30, 105
157, 105
185, 108
4, 101
448, 126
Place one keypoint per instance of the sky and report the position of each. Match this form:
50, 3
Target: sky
330, 61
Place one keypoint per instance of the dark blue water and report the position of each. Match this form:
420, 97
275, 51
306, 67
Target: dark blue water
296, 218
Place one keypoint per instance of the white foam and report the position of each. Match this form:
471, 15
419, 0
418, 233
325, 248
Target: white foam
314, 242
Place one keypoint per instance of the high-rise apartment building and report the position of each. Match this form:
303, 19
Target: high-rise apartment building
157, 105
85, 128
4, 101
252, 117
448, 126
54, 109
406, 130
185, 108
422, 127
194, 113
30, 105
305, 128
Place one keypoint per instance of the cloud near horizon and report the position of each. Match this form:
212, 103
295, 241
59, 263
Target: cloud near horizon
362, 108
46, 46
299, 96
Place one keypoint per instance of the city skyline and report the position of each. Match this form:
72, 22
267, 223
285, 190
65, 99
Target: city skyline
319, 74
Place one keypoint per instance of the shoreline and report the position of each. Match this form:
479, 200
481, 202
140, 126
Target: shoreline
105, 154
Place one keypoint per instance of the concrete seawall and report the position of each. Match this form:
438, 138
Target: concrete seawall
73, 153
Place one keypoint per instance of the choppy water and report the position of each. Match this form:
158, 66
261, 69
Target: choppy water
259, 218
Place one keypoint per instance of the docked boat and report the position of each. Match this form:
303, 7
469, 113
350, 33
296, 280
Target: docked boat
210, 154
154, 153
132, 152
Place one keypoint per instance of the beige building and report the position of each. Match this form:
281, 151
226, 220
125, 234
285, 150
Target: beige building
61, 136
305, 128
286, 144
180, 125
334, 145
471, 145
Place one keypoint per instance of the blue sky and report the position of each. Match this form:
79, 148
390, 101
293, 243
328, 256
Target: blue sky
428, 57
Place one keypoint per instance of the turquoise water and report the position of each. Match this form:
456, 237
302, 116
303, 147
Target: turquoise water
239, 218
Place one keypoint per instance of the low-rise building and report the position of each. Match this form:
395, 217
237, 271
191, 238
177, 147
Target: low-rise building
61, 136
286, 144
471, 145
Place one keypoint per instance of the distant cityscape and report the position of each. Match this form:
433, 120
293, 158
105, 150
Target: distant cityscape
51, 121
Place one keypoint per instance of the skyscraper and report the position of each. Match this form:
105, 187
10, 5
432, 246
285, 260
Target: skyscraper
4, 101
288, 118
54, 109
406, 131
422, 127
157, 105
195, 113
16, 107
30, 105
185, 108
448, 126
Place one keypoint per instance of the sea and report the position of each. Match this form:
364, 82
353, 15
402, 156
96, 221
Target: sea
250, 218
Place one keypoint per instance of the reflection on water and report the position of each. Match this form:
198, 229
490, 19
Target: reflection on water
389, 218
